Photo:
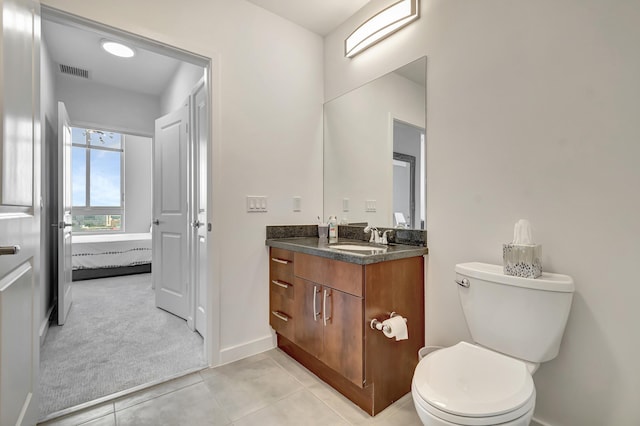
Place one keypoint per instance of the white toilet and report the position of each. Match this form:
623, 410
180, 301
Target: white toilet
516, 323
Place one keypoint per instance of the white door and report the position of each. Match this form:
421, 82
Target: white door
200, 136
19, 211
64, 214
170, 264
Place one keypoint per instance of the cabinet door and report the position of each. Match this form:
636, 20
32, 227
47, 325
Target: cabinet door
343, 334
308, 313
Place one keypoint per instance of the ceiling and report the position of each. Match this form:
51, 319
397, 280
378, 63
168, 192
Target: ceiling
147, 72
319, 16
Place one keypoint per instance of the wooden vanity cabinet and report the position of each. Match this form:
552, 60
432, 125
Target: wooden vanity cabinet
328, 310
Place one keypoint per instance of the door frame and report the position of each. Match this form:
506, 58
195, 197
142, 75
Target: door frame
212, 335
411, 161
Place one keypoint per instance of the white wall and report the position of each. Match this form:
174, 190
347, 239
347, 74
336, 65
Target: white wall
358, 146
49, 128
138, 183
532, 113
267, 133
97, 105
183, 81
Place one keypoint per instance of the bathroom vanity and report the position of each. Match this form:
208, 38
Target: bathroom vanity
322, 301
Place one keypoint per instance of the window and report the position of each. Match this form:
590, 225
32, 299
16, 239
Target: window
97, 183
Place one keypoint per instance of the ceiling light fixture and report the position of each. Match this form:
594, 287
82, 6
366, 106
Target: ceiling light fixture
383, 24
117, 49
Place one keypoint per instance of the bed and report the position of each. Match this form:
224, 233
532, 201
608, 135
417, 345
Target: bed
110, 255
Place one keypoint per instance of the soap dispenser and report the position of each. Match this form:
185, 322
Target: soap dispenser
333, 229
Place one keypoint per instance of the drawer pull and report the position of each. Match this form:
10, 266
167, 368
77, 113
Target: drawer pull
280, 284
283, 261
277, 314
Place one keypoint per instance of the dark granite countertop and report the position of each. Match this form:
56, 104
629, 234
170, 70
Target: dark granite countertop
314, 246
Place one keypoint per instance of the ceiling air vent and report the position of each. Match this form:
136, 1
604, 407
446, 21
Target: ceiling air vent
74, 71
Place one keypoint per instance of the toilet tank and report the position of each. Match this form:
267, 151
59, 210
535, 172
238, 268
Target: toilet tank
521, 317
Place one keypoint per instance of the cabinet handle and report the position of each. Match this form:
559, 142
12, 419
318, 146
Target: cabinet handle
280, 316
325, 318
284, 262
280, 283
316, 314
9, 250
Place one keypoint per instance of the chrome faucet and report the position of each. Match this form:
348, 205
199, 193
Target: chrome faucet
375, 235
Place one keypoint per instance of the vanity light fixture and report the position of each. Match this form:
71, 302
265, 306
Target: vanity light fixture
383, 24
117, 49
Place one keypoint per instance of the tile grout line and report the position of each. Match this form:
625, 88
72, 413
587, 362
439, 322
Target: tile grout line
157, 396
265, 406
314, 395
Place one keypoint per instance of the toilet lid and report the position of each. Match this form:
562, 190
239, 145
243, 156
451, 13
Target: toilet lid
471, 381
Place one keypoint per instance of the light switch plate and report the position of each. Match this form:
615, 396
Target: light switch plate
256, 203
370, 206
297, 204
345, 204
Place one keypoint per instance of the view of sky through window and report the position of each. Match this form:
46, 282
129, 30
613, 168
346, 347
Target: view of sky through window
96, 180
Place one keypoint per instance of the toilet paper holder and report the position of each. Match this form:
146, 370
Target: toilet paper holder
375, 324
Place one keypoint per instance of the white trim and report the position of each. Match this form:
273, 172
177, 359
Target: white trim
254, 347
44, 326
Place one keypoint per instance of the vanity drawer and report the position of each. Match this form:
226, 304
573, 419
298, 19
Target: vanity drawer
281, 292
346, 277
343, 276
281, 265
280, 316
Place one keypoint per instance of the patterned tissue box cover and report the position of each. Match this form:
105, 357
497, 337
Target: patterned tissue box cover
522, 260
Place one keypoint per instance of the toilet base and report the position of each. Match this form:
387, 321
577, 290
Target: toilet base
429, 419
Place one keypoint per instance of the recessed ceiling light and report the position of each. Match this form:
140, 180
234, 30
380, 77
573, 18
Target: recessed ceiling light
117, 49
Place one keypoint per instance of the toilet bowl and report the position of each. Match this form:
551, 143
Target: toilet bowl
470, 385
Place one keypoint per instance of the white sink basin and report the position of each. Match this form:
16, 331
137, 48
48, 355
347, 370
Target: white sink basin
355, 247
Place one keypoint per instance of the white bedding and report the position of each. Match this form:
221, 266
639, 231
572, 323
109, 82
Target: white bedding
110, 250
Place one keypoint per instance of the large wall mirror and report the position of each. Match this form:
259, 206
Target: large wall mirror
374, 151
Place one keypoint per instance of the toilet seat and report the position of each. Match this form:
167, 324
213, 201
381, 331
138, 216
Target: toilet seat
470, 385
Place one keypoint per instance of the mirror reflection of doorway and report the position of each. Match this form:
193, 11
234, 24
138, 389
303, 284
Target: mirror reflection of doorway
404, 197
408, 176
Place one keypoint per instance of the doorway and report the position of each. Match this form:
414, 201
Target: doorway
88, 95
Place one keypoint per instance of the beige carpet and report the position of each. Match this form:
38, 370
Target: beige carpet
114, 339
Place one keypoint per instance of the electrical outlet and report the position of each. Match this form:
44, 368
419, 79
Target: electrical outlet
256, 203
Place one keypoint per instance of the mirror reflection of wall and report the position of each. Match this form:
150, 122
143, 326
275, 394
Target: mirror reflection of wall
360, 132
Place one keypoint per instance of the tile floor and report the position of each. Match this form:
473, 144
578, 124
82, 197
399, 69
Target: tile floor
265, 389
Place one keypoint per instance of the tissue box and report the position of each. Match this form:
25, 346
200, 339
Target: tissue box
522, 260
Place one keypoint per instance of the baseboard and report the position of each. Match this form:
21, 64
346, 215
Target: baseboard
44, 326
536, 422
235, 353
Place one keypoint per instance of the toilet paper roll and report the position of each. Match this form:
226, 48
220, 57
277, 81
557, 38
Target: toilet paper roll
395, 327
